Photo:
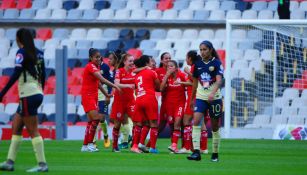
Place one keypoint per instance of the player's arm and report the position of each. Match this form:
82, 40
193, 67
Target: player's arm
186, 83
137, 70
17, 72
105, 93
105, 81
164, 81
120, 85
157, 84
215, 87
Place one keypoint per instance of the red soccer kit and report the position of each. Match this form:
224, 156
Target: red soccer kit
188, 110
124, 102
89, 92
146, 104
161, 73
175, 97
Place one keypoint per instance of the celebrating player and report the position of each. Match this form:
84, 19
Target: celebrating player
174, 89
92, 80
207, 79
146, 105
30, 73
123, 105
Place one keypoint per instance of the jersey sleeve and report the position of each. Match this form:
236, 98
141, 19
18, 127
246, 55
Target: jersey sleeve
220, 69
93, 68
19, 59
195, 71
117, 74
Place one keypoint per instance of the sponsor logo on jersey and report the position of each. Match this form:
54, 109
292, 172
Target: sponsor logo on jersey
19, 58
211, 68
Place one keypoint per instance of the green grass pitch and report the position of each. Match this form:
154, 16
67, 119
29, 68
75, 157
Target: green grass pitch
237, 157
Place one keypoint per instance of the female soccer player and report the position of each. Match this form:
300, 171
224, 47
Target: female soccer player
146, 105
174, 89
92, 80
30, 73
207, 80
123, 105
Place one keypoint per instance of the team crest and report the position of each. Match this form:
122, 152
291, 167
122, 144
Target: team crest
211, 68
118, 115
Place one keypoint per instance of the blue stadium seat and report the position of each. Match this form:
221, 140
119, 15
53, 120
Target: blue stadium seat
180, 4
11, 14
60, 33
1, 13
27, 14
142, 34
116, 5
201, 15
228, 5
83, 62
69, 5
8, 71
72, 63
74, 14
82, 53
99, 44
90, 14
241, 5
11, 33
104, 52
51, 117
99, 5
128, 44
72, 118
39, 4
49, 72
41, 118
126, 34
115, 45
83, 118
149, 5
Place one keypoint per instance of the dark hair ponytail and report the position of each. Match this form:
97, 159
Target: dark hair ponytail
193, 55
142, 61
25, 37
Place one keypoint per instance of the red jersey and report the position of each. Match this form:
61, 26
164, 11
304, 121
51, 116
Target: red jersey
160, 72
125, 77
145, 83
90, 82
175, 92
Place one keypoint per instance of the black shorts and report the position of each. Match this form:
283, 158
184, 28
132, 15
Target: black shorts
103, 107
28, 105
215, 107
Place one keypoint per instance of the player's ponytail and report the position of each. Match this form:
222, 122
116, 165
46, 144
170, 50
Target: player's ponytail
142, 61
193, 55
210, 46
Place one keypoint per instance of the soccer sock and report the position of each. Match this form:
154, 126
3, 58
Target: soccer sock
186, 137
175, 136
203, 140
153, 137
136, 135
85, 141
38, 146
15, 142
115, 134
104, 127
92, 131
216, 141
196, 137
125, 130
144, 134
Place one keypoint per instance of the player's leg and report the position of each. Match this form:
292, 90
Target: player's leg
152, 117
115, 134
103, 111
94, 119
16, 139
144, 133
177, 126
215, 113
204, 137
138, 120
187, 134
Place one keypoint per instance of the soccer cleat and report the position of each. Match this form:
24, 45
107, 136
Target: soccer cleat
184, 151
143, 148
173, 148
6, 166
43, 168
124, 145
204, 151
136, 150
214, 157
84, 148
106, 142
153, 150
195, 156
116, 150
91, 148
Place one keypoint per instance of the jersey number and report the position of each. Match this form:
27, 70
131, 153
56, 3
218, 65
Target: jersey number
140, 82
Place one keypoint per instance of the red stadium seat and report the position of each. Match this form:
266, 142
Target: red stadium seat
48, 123
135, 52
69, 71
3, 81
24, 4
298, 84
49, 90
44, 34
165, 5
8, 4
78, 71
75, 90
222, 55
73, 80
304, 76
81, 124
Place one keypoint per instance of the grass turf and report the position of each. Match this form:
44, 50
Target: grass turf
244, 157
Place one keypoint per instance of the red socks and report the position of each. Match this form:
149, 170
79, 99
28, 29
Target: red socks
187, 136
136, 135
203, 140
85, 141
92, 130
144, 134
153, 137
115, 134
175, 136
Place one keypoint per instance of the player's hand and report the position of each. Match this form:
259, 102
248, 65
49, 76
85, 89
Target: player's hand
177, 82
119, 89
211, 97
108, 99
186, 70
131, 86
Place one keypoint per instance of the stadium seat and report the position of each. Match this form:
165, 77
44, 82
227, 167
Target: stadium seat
60, 33
298, 102
196, 4
99, 44
249, 14
201, 15
69, 44
142, 34
122, 14
302, 111
1, 106
212, 5
303, 6
149, 5
41, 118
74, 14
267, 54
290, 93
238, 34
296, 120
27, 14
259, 5
154, 14
78, 34
41, 4
110, 33
4, 118
75, 90
289, 111
163, 45
299, 84
259, 121
115, 45
90, 14
54, 4
8, 4
189, 33
297, 14
126, 34
10, 34
245, 45
136, 53
151, 52
228, 5
69, 5
1, 13
251, 54
169, 15
78, 100
80, 112
128, 44
138, 14
233, 14
185, 14
278, 119
2, 33
49, 108
86, 4
83, 44
11, 108
11, 14
116, 5
272, 5
182, 45
256, 65
105, 14
8, 71
133, 4
174, 34
254, 35
52, 43
294, 5
265, 14
165, 5
99, 5
217, 15
181, 5
43, 14
147, 44
58, 14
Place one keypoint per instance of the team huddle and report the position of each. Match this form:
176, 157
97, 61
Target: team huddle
186, 97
